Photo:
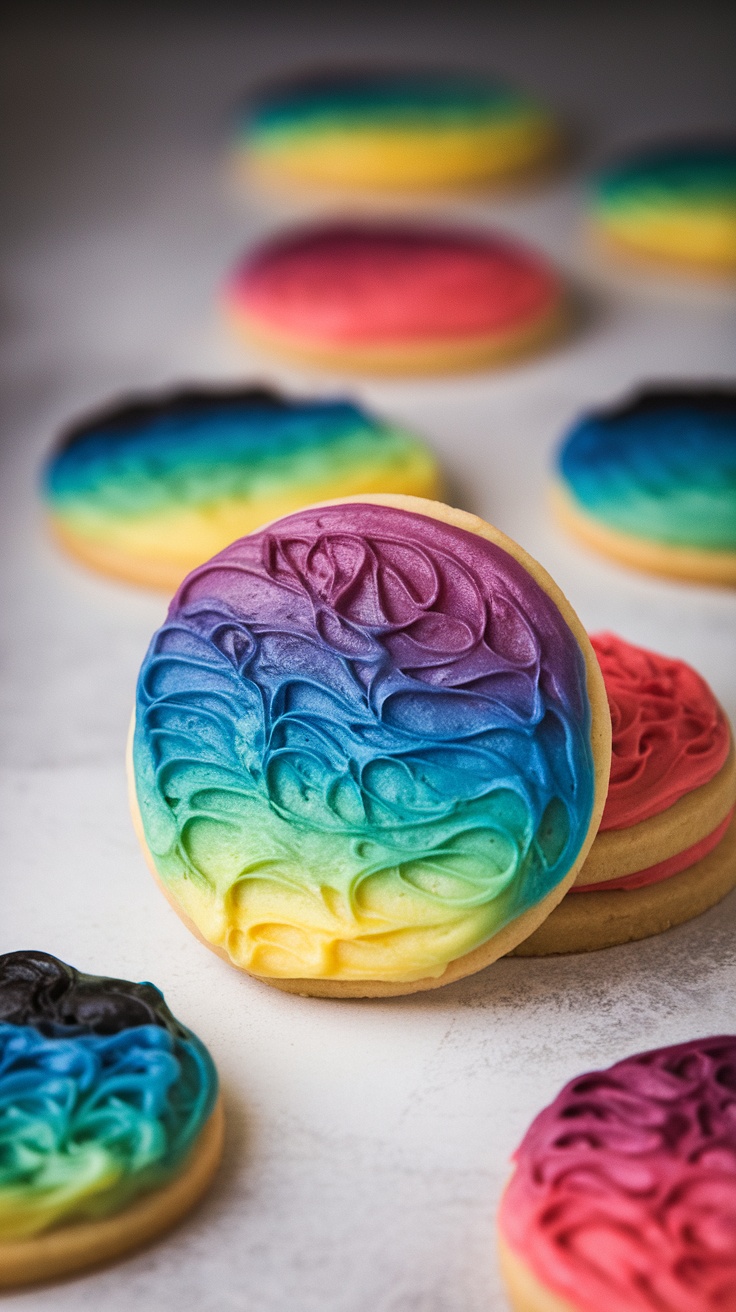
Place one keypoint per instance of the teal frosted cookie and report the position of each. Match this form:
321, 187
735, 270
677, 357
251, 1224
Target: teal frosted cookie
675, 204
110, 1125
653, 482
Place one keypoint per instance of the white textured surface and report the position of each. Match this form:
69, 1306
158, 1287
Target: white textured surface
368, 1142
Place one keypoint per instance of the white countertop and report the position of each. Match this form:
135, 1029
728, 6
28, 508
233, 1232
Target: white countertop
368, 1142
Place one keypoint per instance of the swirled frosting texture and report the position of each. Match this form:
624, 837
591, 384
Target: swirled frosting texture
179, 476
677, 200
358, 283
102, 1094
662, 467
670, 736
624, 1193
395, 129
362, 745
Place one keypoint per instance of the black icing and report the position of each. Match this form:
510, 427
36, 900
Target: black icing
138, 410
713, 400
39, 990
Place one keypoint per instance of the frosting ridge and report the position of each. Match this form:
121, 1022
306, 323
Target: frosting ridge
362, 745
670, 735
624, 1192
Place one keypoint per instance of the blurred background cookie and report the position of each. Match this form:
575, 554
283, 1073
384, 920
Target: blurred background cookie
394, 130
153, 486
379, 298
652, 482
673, 204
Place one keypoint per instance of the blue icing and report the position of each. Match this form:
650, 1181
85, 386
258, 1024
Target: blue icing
663, 468
158, 454
89, 1121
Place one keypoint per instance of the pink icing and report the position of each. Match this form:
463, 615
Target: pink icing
670, 736
663, 869
624, 1193
374, 283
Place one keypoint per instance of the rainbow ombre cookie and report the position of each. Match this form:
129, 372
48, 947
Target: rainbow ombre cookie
665, 850
371, 748
394, 131
675, 204
110, 1125
151, 488
653, 482
623, 1196
395, 298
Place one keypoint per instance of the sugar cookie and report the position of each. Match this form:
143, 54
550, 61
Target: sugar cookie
110, 1124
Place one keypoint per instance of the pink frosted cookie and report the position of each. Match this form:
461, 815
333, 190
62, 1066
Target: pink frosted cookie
395, 299
623, 1197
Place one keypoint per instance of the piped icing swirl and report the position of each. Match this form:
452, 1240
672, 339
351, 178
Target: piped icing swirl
102, 1093
178, 476
670, 735
359, 283
624, 1190
660, 467
362, 745
395, 128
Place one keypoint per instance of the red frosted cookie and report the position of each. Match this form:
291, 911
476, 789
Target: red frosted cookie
666, 847
395, 299
623, 1197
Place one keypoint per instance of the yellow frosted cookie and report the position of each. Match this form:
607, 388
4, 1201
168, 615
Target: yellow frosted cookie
401, 130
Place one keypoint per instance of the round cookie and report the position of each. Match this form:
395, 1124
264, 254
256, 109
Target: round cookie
623, 1194
394, 130
110, 1123
673, 205
148, 489
652, 483
379, 298
371, 748
666, 847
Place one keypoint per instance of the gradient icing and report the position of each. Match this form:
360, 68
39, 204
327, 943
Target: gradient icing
353, 284
362, 745
624, 1192
395, 128
102, 1094
678, 201
662, 467
670, 735
176, 478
